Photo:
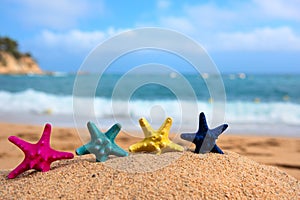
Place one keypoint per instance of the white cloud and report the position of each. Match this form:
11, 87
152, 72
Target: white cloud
254, 25
272, 39
280, 8
237, 26
74, 41
163, 4
178, 23
56, 14
209, 16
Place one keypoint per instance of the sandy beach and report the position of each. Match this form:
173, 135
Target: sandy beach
270, 163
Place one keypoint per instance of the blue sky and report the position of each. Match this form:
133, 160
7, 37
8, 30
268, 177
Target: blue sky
258, 36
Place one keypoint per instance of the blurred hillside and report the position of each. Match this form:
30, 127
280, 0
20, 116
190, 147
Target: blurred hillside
12, 61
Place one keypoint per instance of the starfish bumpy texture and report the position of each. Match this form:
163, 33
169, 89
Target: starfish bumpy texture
38, 156
155, 141
102, 145
205, 138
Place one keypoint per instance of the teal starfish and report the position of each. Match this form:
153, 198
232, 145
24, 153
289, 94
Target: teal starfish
102, 145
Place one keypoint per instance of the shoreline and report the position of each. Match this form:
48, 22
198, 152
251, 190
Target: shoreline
68, 121
281, 152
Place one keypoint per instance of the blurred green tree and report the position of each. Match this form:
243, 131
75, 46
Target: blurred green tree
10, 46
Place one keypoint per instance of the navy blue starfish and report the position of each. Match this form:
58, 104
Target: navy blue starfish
102, 145
205, 138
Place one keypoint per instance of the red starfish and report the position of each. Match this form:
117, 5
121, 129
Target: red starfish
38, 156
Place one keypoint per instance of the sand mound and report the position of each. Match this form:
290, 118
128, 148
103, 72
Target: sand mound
211, 176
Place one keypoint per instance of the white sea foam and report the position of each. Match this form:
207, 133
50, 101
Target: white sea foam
237, 112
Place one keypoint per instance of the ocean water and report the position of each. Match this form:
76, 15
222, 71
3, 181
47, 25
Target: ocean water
254, 104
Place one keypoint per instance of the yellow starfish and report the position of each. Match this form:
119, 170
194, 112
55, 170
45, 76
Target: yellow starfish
155, 140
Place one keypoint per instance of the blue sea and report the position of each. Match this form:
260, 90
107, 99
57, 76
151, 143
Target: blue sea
254, 104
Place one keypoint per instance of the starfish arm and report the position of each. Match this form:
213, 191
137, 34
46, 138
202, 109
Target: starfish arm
118, 151
197, 149
158, 151
217, 149
176, 147
188, 136
147, 129
218, 130
166, 126
44, 167
144, 145
101, 158
25, 146
207, 144
202, 124
45, 139
136, 147
83, 149
22, 167
94, 131
59, 155
112, 133
33, 164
